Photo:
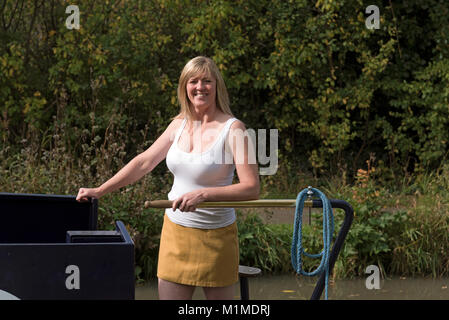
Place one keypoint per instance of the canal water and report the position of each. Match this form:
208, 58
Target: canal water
292, 287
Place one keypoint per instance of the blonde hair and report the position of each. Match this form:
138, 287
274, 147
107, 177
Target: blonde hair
196, 66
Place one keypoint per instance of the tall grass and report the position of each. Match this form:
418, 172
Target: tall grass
53, 165
400, 225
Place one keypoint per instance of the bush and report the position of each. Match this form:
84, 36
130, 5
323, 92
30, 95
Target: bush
76, 105
264, 246
335, 90
402, 229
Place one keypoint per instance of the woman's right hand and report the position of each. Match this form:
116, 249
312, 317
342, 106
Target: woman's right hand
85, 193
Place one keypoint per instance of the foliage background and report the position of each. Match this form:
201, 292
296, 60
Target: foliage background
76, 105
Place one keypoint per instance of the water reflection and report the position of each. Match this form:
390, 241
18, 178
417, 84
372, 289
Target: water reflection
292, 287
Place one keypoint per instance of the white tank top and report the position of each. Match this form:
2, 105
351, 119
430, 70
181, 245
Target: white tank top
212, 168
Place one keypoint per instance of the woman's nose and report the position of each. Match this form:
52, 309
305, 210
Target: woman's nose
200, 84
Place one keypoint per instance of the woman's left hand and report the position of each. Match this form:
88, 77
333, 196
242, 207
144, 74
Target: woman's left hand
189, 201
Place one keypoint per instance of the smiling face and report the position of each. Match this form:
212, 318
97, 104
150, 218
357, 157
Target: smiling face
201, 85
202, 90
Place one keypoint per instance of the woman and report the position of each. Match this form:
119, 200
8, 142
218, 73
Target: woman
199, 247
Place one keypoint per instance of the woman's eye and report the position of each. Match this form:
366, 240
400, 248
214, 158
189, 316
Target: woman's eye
196, 81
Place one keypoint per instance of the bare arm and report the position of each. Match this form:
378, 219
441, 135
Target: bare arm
247, 188
136, 168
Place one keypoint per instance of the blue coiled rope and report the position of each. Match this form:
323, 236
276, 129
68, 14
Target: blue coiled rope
328, 230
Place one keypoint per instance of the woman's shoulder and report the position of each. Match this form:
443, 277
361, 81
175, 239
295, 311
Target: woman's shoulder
237, 124
236, 129
173, 127
228, 117
176, 122
178, 117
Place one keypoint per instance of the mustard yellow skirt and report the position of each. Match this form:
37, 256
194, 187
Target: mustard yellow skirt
198, 257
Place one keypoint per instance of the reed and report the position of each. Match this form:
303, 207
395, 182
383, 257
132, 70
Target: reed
402, 227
